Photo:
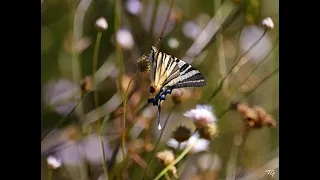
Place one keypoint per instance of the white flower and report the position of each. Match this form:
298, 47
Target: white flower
201, 145
54, 162
134, 6
174, 144
101, 24
125, 39
268, 23
173, 43
201, 115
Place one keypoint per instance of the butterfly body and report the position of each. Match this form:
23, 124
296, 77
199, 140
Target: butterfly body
168, 73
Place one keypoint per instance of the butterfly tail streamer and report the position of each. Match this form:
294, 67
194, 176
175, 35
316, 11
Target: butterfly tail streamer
159, 111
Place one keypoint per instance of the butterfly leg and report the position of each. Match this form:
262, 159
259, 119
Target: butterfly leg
153, 101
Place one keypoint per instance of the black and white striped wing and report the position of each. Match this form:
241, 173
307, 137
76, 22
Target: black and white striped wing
188, 76
171, 72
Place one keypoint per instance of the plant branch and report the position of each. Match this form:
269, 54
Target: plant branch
124, 116
251, 91
184, 152
96, 100
157, 143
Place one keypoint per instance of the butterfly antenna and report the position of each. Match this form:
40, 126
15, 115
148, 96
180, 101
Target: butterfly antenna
159, 111
158, 41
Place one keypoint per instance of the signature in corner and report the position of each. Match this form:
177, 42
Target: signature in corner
270, 172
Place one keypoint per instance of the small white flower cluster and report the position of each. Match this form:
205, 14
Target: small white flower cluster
268, 23
101, 24
54, 162
202, 112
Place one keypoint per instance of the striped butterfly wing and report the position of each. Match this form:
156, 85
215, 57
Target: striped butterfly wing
170, 72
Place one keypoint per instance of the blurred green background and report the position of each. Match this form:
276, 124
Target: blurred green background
193, 33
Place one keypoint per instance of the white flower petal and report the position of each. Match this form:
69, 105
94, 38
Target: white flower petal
54, 162
201, 145
172, 143
201, 112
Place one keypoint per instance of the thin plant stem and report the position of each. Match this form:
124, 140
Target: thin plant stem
251, 91
63, 119
167, 20
255, 68
167, 176
50, 172
218, 89
119, 55
185, 151
124, 116
96, 100
157, 143
155, 10
240, 151
238, 47
260, 83
219, 41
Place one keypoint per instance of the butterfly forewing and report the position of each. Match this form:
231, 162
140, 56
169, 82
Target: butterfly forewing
171, 72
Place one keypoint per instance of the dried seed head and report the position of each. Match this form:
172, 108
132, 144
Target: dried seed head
143, 64
269, 121
181, 134
251, 115
101, 24
209, 132
255, 117
267, 23
177, 96
86, 84
247, 113
136, 146
266, 119
166, 157
173, 169
148, 147
242, 108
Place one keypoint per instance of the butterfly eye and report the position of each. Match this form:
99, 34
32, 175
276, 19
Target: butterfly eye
152, 89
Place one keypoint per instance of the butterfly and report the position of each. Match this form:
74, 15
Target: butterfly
168, 73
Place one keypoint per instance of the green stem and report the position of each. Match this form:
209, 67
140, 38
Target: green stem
238, 47
240, 152
124, 116
155, 10
167, 20
176, 160
167, 176
119, 55
251, 91
255, 68
157, 143
218, 89
63, 119
96, 100
50, 172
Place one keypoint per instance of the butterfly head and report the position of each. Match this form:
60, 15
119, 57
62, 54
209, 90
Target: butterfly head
153, 89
